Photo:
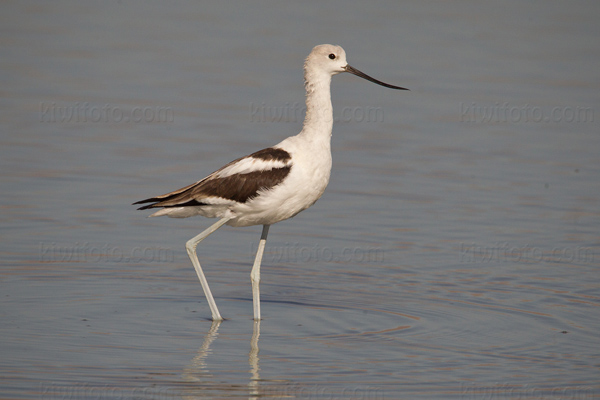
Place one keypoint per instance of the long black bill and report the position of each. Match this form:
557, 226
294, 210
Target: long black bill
356, 72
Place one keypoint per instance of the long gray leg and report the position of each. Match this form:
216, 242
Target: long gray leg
255, 274
191, 250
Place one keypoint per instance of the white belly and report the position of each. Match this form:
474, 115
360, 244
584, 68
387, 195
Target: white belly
303, 186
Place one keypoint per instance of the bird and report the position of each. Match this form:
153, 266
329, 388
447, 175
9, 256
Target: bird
270, 185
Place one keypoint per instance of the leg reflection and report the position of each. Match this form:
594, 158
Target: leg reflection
198, 371
253, 385
198, 368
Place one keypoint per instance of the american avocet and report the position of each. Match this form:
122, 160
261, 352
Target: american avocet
270, 185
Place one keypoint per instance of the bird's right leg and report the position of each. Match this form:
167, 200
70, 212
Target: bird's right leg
191, 249
255, 273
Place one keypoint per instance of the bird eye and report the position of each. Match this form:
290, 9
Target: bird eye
332, 56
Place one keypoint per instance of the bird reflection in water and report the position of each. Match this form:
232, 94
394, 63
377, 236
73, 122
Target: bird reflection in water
199, 372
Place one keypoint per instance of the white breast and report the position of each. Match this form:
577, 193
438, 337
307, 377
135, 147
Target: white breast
304, 185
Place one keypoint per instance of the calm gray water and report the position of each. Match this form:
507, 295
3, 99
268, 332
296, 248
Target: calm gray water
455, 254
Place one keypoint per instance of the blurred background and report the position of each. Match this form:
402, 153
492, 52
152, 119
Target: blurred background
455, 253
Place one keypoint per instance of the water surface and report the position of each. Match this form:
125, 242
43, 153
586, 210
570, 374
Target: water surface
455, 253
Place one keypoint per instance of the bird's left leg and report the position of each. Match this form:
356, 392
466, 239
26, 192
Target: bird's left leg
191, 249
255, 274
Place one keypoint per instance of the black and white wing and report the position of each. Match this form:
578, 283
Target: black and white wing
237, 182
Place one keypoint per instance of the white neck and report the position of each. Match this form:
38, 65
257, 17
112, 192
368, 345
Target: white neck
318, 122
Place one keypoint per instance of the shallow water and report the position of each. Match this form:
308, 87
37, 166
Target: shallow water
455, 253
